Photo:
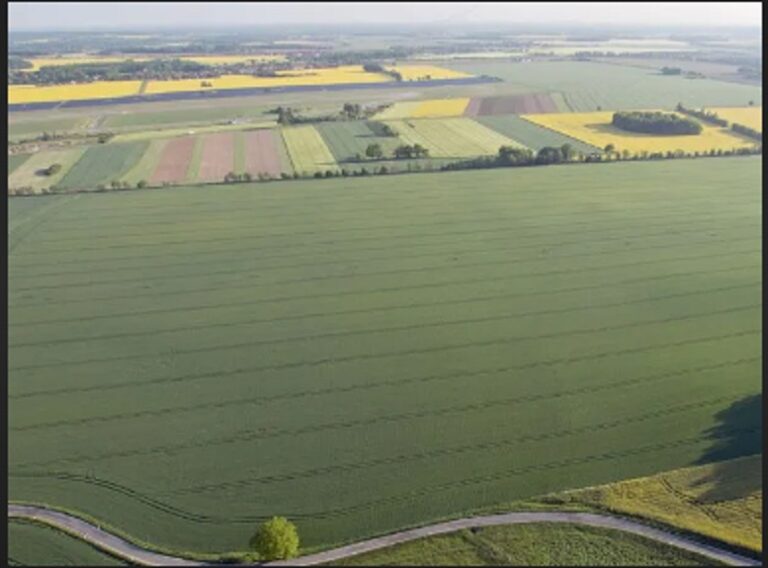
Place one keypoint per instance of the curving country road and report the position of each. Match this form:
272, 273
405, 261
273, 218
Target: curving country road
124, 549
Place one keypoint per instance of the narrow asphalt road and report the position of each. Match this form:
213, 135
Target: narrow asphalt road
123, 549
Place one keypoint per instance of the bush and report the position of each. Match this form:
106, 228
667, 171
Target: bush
52, 169
276, 539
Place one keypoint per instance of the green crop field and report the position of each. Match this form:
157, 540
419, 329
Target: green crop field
362, 355
531, 545
29, 173
200, 114
346, 139
15, 160
146, 165
451, 137
36, 545
102, 164
587, 85
307, 150
20, 129
532, 135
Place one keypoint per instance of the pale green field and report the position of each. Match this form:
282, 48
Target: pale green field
451, 137
307, 149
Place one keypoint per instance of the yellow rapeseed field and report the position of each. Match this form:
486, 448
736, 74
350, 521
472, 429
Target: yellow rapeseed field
436, 108
746, 116
97, 90
322, 76
595, 128
422, 72
431, 108
204, 59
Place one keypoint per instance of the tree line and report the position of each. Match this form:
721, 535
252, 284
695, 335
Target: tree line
655, 122
703, 114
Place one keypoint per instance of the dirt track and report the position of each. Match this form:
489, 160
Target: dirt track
123, 549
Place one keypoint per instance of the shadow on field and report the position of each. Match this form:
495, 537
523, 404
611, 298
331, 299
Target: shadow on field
738, 434
738, 431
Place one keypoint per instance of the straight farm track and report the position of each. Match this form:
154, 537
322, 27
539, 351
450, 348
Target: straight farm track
441, 338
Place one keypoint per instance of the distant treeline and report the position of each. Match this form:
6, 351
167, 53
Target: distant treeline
655, 122
15, 62
158, 69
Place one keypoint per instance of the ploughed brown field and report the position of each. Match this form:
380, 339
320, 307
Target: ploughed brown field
261, 155
536, 103
218, 158
174, 160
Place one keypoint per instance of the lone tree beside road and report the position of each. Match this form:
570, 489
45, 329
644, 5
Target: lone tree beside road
276, 539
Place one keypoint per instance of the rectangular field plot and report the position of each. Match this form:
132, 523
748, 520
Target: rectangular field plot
103, 164
308, 151
532, 135
746, 116
451, 137
515, 104
595, 128
174, 161
262, 155
371, 353
30, 172
347, 139
217, 158
431, 108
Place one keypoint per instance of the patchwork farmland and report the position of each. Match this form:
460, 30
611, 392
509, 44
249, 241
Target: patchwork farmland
409, 337
202, 337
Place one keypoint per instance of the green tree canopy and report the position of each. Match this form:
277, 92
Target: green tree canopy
276, 539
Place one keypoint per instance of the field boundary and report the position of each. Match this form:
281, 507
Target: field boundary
122, 548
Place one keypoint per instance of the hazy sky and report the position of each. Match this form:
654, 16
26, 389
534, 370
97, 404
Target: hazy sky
87, 15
